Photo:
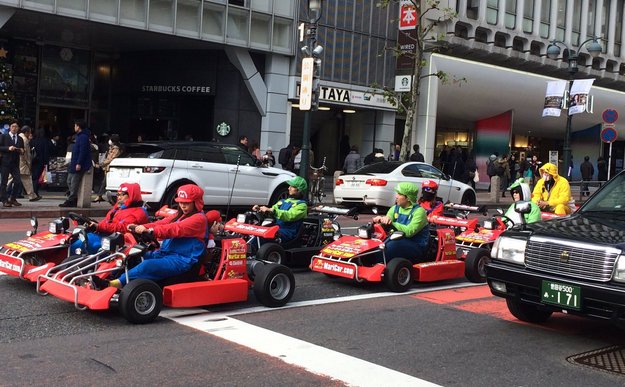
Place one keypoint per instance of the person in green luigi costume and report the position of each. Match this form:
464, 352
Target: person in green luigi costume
520, 190
410, 218
290, 212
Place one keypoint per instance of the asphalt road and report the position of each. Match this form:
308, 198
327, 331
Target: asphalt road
333, 332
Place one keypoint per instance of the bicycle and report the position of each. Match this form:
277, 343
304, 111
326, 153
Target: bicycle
317, 183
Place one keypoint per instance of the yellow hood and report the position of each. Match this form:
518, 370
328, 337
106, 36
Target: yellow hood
550, 169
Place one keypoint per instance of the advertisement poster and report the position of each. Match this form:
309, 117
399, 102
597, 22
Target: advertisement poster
553, 98
579, 95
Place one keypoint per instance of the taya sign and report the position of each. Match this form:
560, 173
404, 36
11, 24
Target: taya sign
187, 89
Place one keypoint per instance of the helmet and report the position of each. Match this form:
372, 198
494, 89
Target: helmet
409, 190
191, 193
429, 186
299, 183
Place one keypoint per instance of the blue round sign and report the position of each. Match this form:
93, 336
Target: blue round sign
608, 135
609, 116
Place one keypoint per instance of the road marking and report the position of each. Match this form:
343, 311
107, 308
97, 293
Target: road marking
313, 358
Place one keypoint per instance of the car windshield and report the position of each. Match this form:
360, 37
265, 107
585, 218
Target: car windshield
381, 167
610, 198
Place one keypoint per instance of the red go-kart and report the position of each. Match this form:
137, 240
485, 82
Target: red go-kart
350, 256
224, 276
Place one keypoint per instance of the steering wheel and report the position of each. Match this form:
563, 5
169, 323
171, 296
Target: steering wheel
81, 219
509, 222
254, 217
145, 237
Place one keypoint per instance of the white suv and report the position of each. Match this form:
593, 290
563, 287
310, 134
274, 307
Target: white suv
160, 168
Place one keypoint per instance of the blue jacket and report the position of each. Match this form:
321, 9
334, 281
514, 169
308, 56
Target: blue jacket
81, 152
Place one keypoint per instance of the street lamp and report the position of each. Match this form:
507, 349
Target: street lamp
553, 52
311, 50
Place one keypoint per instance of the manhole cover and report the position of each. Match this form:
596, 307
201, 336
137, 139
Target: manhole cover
610, 359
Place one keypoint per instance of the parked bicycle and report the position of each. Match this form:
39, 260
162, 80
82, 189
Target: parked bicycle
317, 183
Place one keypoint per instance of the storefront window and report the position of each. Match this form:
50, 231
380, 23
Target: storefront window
64, 76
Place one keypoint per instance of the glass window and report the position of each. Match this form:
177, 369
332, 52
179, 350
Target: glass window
78, 5
605, 14
363, 19
133, 11
208, 154
232, 154
261, 29
545, 10
104, 7
345, 15
188, 16
528, 16
284, 8
411, 171
64, 76
592, 12
510, 19
619, 28
282, 33
161, 13
238, 24
174, 154
41, 4
261, 5
101, 82
492, 8
213, 20
429, 172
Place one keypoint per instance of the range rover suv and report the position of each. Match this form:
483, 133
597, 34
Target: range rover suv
227, 174
574, 264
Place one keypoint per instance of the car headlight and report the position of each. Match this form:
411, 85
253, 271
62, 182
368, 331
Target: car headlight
509, 250
619, 272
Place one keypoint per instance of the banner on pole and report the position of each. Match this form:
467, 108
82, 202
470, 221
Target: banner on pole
578, 98
553, 98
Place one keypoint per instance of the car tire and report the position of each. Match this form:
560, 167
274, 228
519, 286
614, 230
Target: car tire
274, 285
140, 301
527, 312
475, 265
282, 192
170, 195
398, 275
468, 198
271, 252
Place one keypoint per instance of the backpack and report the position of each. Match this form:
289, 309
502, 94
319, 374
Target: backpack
283, 156
492, 169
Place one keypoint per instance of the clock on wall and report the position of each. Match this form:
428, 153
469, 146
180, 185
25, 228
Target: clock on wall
223, 129
66, 54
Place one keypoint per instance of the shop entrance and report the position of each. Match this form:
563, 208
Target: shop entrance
59, 120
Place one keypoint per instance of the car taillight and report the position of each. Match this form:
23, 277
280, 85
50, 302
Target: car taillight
339, 181
376, 182
153, 169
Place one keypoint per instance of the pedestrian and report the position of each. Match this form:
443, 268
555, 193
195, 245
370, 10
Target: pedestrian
505, 176
471, 168
59, 149
285, 155
42, 151
11, 146
255, 151
370, 158
602, 169
352, 160
588, 171
114, 151
291, 164
417, 156
243, 140
26, 172
379, 156
80, 163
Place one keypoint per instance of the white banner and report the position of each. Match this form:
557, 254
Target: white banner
553, 98
578, 97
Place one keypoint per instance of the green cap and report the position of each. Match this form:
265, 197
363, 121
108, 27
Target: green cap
409, 190
299, 183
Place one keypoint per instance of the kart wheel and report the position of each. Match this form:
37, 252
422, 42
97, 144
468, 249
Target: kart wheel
475, 265
398, 275
271, 252
527, 312
140, 301
274, 285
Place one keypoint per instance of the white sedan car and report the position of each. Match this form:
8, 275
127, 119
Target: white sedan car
374, 184
227, 174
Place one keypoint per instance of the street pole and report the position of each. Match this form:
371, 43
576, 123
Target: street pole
566, 147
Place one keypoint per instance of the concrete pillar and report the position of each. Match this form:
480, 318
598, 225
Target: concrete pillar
424, 125
84, 190
275, 125
495, 193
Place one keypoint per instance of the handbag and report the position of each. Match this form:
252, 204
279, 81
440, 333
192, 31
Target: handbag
476, 178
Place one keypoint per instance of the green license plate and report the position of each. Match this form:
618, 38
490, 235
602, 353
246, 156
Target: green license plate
566, 296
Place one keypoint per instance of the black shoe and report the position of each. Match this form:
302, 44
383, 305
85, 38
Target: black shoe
67, 203
35, 199
16, 203
99, 282
7, 204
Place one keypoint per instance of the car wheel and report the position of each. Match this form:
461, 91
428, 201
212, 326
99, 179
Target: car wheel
527, 312
475, 265
274, 285
140, 301
468, 198
271, 252
398, 275
282, 192
170, 195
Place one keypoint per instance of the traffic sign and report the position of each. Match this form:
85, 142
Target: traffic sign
305, 93
407, 16
609, 116
609, 134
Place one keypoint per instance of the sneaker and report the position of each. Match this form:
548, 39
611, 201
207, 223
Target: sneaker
16, 203
7, 204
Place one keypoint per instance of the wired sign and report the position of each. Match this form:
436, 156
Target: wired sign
305, 95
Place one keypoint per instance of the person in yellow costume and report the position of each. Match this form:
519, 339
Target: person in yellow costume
552, 192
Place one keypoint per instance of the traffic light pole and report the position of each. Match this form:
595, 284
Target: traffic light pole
305, 149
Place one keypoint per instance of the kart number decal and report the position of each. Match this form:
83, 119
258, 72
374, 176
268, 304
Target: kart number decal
9, 266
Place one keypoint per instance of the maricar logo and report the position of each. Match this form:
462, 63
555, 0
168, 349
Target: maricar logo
182, 194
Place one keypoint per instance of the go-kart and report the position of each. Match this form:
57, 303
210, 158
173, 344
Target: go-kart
39, 251
317, 230
350, 257
223, 276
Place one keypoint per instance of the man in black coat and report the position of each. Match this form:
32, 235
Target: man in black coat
11, 146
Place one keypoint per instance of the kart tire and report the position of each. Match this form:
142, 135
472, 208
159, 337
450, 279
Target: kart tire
398, 275
475, 265
274, 285
140, 301
527, 312
271, 252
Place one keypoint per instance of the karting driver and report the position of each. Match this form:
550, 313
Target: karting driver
128, 209
410, 218
519, 190
289, 213
428, 200
552, 193
185, 238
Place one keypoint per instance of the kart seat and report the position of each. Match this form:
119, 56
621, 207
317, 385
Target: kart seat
191, 275
306, 235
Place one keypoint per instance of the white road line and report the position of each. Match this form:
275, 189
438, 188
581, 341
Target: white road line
313, 358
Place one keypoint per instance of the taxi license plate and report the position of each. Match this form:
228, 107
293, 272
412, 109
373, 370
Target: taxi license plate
566, 296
